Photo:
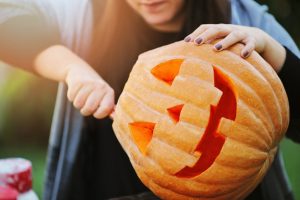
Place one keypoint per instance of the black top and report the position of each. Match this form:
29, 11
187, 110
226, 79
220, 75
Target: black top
290, 77
103, 167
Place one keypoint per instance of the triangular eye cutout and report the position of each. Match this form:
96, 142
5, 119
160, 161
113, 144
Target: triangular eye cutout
167, 71
174, 112
142, 133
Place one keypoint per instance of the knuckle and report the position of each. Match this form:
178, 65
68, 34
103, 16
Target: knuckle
75, 84
111, 92
89, 109
106, 109
238, 34
211, 29
217, 29
252, 40
100, 86
84, 112
78, 103
203, 26
251, 45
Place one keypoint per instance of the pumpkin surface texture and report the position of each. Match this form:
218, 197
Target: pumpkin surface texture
200, 124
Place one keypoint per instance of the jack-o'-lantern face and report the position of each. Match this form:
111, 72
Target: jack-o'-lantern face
199, 124
211, 141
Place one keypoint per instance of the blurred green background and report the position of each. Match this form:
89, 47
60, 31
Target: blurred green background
27, 102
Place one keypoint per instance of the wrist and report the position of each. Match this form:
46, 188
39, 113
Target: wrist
56, 62
274, 53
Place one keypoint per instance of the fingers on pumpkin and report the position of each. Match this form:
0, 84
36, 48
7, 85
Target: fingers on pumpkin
249, 47
231, 39
106, 106
197, 32
211, 34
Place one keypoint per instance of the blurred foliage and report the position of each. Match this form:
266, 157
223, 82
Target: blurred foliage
290, 153
26, 108
288, 15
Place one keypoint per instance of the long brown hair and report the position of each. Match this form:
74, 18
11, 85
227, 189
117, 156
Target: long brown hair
115, 21
205, 12
120, 34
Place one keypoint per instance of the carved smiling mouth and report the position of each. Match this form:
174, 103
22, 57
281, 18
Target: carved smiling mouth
211, 142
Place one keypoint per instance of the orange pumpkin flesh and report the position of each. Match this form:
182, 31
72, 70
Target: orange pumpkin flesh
167, 71
142, 133
174, 112
197, 124
212, 141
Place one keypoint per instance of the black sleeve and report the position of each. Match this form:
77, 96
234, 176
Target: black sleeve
290, 77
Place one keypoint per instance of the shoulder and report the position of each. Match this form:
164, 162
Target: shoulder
71, 20
75, 22
250, 13
247, 12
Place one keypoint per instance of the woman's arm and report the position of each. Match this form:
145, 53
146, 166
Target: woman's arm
29, 38
86, 89
23, 35
253, 38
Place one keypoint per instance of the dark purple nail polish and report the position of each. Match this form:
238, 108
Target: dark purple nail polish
218, 46
199, 40
246, 54
187, 39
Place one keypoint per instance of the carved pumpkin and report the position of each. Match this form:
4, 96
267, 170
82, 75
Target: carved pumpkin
199, 124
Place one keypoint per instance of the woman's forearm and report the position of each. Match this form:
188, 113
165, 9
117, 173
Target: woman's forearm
55, 62
86, 89
274, 53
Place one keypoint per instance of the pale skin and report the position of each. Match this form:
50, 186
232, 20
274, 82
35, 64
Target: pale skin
93, 96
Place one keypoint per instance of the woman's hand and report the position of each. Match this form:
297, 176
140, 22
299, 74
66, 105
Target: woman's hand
253, 38
86, 89
89, 92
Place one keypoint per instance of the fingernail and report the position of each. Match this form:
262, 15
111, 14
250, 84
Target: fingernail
218, 46
245, 54
187, 39
199, 40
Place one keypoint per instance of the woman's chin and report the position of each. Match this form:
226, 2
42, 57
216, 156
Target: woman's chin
156, 20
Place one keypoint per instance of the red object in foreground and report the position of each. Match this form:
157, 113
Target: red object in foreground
8, 193
16, 173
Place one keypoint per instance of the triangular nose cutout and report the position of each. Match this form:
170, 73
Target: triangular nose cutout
174, 112
142, 133
167, 71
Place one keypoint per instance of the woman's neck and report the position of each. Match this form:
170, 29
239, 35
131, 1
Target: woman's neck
174, 25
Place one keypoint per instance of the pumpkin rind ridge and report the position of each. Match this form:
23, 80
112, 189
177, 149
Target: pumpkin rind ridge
262, 115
